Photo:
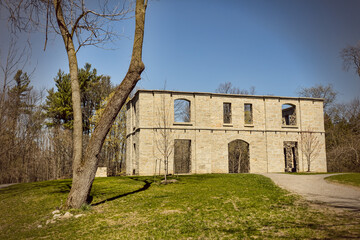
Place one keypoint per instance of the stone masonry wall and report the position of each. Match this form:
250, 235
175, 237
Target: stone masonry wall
210, 136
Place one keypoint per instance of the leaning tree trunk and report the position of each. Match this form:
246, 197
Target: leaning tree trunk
84, 171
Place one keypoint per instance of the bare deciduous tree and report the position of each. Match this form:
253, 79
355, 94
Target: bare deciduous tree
164, 135
113, 151
228, 88
351, 57
80, 26
310, 146
85, 169
320, 91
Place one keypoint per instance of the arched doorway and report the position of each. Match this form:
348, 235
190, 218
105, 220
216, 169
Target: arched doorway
239, 156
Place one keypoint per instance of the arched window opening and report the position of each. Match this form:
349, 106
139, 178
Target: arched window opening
289, 114
181, 110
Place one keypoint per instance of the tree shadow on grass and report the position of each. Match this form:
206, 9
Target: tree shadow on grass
145, 187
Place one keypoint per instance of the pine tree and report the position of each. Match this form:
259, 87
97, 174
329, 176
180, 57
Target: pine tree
58, 105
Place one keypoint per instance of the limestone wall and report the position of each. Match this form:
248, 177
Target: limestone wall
210, 136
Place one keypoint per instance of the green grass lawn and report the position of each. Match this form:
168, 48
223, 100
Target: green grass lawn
216, 206
349, 179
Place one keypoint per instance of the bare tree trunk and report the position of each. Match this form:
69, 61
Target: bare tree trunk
84, 171
75, 87
239, 162
159, 167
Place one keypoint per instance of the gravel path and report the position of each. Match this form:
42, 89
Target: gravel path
316, 188
6, 185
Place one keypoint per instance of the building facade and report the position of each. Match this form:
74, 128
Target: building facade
223, 133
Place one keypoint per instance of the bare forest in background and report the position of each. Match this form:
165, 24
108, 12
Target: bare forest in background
32, 151
36, 127
342, 129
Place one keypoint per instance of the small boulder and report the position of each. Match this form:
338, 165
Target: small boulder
50, 221
56, 216
67, 215
169, 181
79, 215
40, 226
56, 212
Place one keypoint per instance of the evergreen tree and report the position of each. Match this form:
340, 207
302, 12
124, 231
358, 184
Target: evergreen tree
58, 105
19, 92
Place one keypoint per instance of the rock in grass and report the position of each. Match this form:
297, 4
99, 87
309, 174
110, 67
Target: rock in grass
50, 221
66, 215
55, 212
79, 215
56, 216
169, 181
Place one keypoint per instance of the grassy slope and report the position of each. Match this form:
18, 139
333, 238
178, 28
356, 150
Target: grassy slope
349, 179
198, 206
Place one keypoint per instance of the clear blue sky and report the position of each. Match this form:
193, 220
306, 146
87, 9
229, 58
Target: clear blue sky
277, 46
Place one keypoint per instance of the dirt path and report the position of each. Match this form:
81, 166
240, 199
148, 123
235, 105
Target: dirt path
315, 188
6, 185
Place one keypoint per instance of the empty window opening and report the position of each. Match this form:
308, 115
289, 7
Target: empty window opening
182, 156
288, 114
134, 116
181, 110
227, 112
239, 157
136, 160
291, 156
248, 113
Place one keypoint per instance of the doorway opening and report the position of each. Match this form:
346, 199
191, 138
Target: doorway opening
239, 156
182, 156
291, 156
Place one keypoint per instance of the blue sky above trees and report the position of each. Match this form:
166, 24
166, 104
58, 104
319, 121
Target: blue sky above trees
277, 46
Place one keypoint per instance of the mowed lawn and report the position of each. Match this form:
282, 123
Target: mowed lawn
348, 179
213, 206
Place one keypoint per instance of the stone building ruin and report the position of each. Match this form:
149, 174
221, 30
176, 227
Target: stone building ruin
220, 133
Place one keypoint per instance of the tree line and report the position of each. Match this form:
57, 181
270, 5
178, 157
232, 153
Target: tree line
342, 129
36, 130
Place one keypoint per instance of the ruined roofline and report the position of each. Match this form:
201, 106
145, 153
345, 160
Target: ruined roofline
226, 95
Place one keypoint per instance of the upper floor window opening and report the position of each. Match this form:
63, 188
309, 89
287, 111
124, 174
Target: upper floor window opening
134, 115
181, 110
227, 112
248, 113
289, 114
